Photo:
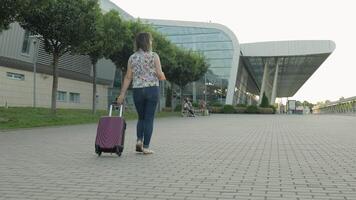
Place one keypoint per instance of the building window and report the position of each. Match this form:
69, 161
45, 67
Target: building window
15, 76
74, 97
26, 43
61, 96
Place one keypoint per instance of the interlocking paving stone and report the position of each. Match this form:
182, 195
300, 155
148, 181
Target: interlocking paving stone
215, 157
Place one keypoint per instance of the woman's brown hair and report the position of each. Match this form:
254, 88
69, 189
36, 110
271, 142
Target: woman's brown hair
143, 41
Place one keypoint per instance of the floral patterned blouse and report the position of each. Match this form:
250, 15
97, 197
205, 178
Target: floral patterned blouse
143, 69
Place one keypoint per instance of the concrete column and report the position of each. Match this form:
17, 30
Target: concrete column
275, 85
264, 80
194, 92
237, 96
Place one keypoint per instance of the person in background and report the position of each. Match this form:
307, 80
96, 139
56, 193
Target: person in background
188, 107
202, 105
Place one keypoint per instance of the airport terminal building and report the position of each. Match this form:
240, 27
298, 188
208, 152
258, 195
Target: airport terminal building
237, 74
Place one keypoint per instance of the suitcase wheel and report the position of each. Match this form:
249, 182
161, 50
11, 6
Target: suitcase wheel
98, 150
119, 150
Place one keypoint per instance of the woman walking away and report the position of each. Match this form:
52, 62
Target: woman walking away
144, 69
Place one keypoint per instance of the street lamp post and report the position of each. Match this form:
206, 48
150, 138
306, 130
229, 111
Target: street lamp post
221, 94
35, 55
205, 88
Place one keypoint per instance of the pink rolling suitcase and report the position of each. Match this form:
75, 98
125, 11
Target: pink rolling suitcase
110, 134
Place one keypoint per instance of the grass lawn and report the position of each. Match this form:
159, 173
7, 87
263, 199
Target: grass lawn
27, 117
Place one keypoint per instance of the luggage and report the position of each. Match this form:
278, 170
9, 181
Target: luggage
110, 134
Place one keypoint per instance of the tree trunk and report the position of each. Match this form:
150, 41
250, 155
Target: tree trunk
94, 87
55, 83
172, 98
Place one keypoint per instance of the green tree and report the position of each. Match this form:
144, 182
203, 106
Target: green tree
94, 47
64, 25
9, 11
167, 53
298, 103
308, 104
189, 67
108, 37
164, 48
264, 102
122, 55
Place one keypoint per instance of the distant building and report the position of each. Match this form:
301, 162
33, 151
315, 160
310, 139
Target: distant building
237, 73
343, 106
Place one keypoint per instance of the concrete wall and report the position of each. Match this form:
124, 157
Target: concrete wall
20, 92
11, 41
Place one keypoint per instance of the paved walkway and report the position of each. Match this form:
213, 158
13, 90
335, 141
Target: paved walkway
216, 157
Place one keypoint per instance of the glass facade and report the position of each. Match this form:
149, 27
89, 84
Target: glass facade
218, 49
246, 88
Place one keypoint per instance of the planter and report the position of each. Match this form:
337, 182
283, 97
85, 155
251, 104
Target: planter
240, 110
265, 110
215, 109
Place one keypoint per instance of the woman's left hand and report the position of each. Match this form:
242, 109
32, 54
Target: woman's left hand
120, 99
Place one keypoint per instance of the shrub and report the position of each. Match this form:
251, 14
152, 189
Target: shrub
264, 102
195, 104
215, 109
228, 109
241, 105
178, 108
273, 108
240, 109
252, 109
216, 104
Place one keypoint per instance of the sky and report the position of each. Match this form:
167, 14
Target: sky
276, 20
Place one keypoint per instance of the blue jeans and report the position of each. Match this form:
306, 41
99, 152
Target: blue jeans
146, 100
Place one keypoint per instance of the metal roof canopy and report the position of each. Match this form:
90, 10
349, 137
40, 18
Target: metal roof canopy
297, 61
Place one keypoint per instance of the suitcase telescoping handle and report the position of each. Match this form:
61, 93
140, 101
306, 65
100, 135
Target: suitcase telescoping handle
113, 105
